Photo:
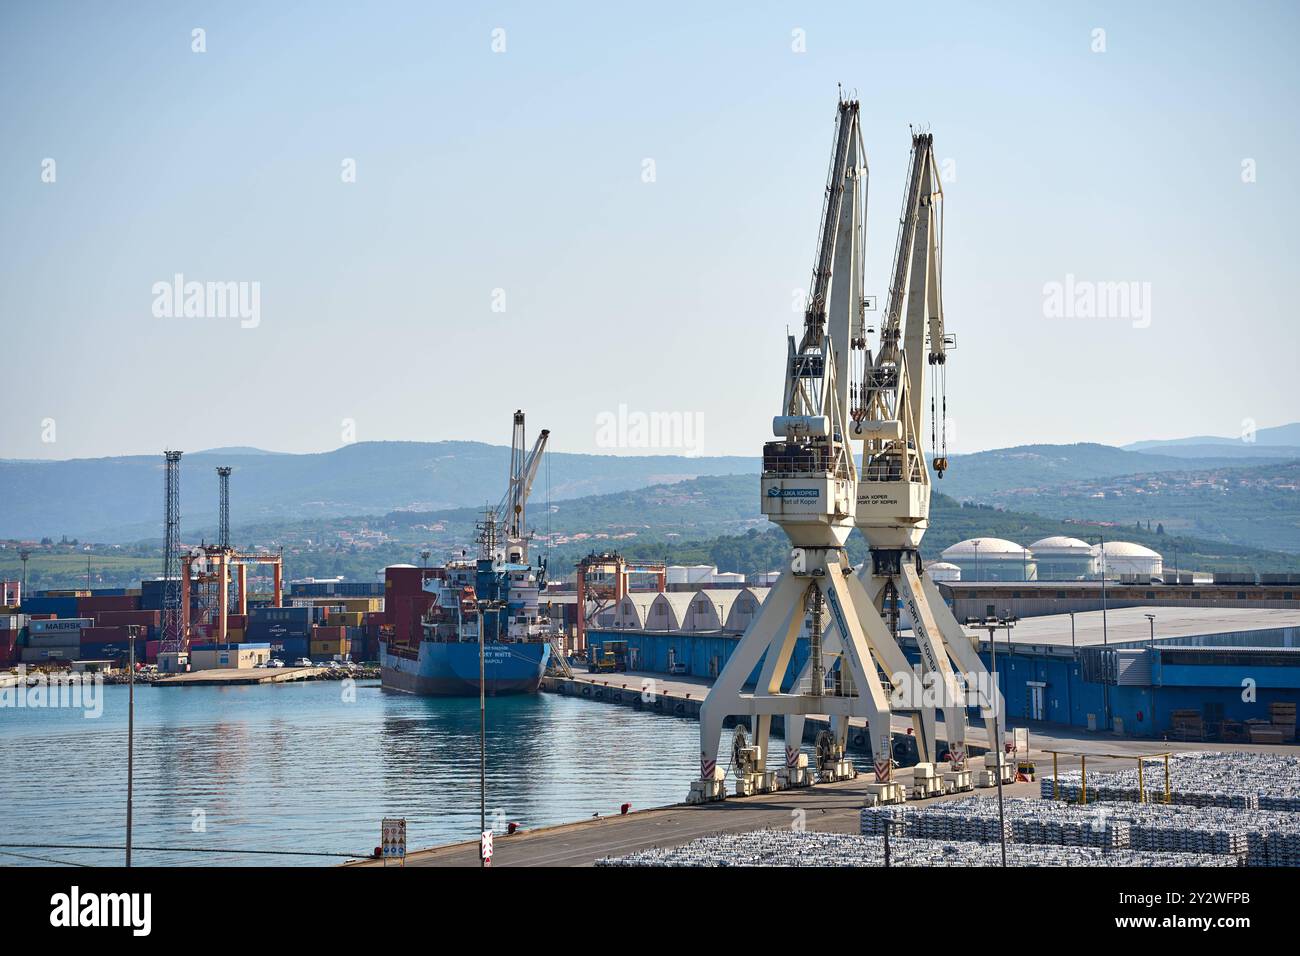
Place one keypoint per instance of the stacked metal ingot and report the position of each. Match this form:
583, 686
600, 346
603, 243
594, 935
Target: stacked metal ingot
794, 848
976, 820
1266, 837
1243, 781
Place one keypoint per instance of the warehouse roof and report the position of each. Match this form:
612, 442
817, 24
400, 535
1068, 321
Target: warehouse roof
1129, 625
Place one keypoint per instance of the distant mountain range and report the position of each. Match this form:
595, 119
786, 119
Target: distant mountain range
1278, 436
120, 499
1255, 506
1003, 471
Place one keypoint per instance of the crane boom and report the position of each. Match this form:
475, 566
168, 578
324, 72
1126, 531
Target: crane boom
510, 512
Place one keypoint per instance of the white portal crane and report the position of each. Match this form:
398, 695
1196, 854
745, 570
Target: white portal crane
809, 488
893, 503
510, 513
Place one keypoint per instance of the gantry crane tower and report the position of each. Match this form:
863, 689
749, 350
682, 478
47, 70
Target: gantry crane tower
809, 487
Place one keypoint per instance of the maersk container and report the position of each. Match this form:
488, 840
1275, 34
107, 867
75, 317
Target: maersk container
74, 625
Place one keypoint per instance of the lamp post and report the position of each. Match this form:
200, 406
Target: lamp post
1105, 642
482, 739
992, 623
1151, 650
482, 606
130, 741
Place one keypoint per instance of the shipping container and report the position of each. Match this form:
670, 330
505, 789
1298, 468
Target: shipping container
289, 649
62, 625
336, 589
9, 650
118, 650
149, 619
42, 655
329, 649
90, 606
56, 606
345, 618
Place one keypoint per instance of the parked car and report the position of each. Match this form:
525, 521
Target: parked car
275, 663
303, 662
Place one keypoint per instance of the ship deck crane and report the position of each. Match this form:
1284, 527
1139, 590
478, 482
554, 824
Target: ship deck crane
809, 488
511, 511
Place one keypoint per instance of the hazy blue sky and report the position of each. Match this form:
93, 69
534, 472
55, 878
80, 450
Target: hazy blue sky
522, 171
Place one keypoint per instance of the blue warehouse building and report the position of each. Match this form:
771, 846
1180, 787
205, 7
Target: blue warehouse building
1192, 673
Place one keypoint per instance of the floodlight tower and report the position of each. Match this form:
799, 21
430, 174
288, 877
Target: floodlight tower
809, 488
223, 515
24, 555
172, 639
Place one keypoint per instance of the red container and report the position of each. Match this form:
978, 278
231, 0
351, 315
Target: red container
408, 581
150, 619
151, 652
237, 622
322, 632
90, 606
404, 613
9, 650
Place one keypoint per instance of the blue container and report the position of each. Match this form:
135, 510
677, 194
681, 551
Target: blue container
289, 648
58, 606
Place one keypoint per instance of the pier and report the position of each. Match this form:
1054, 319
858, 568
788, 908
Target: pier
832, 808
234, 677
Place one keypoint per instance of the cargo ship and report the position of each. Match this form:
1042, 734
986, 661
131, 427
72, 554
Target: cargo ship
497, 595
431, 646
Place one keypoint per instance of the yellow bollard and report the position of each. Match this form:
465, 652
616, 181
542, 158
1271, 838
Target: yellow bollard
1055, 777
1142, 794
1083, 778
1167, 793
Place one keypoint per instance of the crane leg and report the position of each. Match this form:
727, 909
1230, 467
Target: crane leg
936, 666
871, 701
866, 589
764, 632
832, 647
775, 665
963, 651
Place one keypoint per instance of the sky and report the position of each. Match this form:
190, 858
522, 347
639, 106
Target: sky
596, 213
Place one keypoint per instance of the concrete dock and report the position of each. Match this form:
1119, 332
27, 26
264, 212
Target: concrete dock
827, 807
232, 677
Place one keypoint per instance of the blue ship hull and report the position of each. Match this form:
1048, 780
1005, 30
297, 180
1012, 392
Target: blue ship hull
451, 670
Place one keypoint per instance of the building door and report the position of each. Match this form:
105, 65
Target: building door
1037, 709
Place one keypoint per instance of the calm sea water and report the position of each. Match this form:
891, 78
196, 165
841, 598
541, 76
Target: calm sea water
295, 767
